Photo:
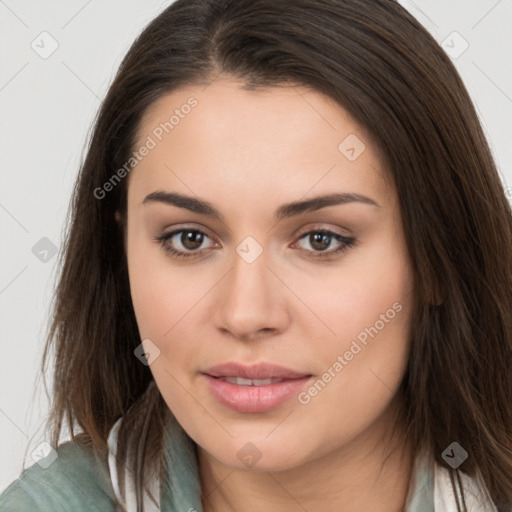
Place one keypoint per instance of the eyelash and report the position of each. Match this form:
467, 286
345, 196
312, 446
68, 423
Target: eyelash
347, 242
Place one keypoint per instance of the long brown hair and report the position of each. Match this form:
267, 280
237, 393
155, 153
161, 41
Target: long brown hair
388, 72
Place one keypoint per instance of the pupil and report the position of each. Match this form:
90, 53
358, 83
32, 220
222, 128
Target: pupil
320, 241
191, 239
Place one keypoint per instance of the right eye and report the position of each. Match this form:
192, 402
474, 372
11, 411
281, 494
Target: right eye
190, 241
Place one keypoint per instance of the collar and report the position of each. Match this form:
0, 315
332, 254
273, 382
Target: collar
181, 489
430, 489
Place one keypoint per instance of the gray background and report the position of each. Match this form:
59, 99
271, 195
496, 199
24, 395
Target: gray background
47, 106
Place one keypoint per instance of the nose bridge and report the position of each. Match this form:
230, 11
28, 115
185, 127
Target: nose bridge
249, 274
248, 283
250, 301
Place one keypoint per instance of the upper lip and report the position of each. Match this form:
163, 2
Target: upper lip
255, 371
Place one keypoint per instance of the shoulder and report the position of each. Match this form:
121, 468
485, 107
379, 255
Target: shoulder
76, 480
475, 493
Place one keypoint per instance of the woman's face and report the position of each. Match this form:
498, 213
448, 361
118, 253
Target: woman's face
262, 283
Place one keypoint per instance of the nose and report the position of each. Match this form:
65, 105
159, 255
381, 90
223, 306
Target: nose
251, 302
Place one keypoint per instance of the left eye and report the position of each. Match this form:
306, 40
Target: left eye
320, 240
191, 241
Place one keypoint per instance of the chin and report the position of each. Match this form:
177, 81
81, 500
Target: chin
259, 456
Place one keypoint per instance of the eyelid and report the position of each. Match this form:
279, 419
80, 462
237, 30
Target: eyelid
172, 233
190, 227
347, 241
321, 226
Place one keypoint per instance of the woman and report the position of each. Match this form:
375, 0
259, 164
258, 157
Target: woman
288, 278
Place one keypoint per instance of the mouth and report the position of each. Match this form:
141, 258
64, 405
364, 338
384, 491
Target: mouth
240, 381
254, 372
253, 389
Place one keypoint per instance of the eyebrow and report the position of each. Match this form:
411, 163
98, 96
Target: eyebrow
284, 211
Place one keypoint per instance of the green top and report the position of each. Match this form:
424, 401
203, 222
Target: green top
78, 481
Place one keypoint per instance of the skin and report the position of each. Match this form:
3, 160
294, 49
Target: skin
247, 153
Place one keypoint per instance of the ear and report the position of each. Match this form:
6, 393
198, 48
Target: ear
117, 216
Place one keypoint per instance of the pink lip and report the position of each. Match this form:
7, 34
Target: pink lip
254, 399
256, 371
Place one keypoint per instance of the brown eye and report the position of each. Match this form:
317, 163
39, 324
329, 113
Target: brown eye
188, 243
183, 243
320, 240
191, 240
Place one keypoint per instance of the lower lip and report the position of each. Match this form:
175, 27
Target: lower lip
254, 398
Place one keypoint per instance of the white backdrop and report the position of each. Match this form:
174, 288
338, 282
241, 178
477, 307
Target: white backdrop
57, 61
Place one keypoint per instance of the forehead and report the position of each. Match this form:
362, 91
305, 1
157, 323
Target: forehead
269, 142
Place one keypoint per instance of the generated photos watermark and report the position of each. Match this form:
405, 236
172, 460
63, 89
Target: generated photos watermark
151, 142
357, 345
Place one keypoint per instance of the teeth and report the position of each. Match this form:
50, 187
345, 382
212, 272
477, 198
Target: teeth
240, 381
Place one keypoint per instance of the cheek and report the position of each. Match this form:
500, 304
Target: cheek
167, 300
161, 293
162, 298
367, 296
368, 307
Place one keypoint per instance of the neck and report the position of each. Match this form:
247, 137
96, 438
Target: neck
359, 476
